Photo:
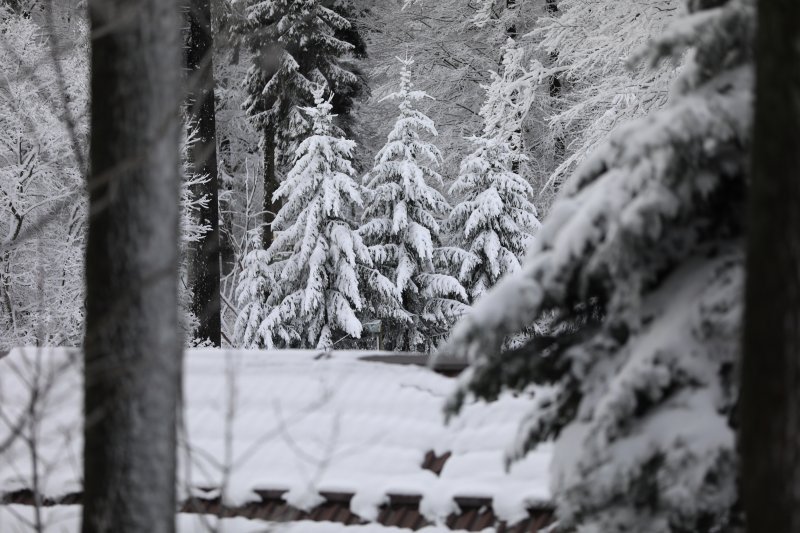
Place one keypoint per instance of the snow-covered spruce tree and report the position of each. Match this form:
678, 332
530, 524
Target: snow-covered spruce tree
401, 226
494, 223
295, 46
640, 262
305, 289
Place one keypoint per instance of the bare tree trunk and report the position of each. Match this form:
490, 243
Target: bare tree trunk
270, 207
133, 340
770, 394
204, 256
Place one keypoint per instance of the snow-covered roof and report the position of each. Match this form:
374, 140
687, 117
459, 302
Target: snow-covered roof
299, 424
66, 519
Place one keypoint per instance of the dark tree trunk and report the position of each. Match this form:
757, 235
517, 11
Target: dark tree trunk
270, 207
204, 256
770, 394
511, 30
133, 343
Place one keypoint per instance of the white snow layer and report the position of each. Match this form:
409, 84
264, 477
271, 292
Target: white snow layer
287, 420
66, 519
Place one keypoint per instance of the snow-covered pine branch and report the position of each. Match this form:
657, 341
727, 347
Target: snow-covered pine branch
401, 225
305, 290
640, 264
295, 47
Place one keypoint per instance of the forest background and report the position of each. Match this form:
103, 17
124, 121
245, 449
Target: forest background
551, 92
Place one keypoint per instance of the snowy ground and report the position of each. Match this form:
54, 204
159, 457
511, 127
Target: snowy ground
290, 421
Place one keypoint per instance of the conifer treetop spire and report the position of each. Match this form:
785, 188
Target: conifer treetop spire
406, 93
321, 117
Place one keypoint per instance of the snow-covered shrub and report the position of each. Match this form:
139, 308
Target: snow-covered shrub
401, 226
305, 290
639, 268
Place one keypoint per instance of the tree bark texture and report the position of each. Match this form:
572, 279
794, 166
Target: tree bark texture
204, 255
770, 380
133, 343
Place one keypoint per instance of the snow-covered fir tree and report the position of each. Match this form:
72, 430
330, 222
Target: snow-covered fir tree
305, 290
402, 228
639, 267
493, 225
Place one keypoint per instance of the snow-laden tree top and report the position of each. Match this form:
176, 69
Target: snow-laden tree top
296, 49
404, 170
494, 223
